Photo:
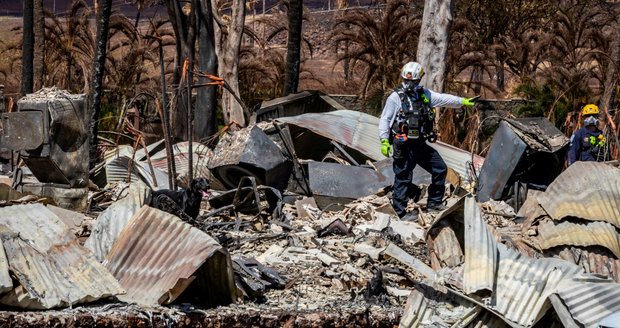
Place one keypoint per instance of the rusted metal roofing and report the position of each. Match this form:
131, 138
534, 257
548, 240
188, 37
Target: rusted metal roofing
111, 222
360, 131
552, 234
590, 299
181, 158
157, 256
480, 251
53, 270
587, 190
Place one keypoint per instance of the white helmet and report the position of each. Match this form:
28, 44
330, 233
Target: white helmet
412, 71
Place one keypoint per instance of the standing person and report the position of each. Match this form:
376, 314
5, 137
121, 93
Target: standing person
409, 115
587, 143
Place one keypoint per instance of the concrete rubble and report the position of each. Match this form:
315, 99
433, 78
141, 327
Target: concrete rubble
298, 230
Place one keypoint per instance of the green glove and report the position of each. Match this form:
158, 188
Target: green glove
469, 101
386, 148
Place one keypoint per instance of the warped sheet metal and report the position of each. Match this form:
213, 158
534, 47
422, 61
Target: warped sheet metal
53, 270
590, 299
157, 256
480, 251
523, 285
338, 183
111, 222
181, 159
438, 310
360, 131
592, 261
118, 170
552, 234
587, 190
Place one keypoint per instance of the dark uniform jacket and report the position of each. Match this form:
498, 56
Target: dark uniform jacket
586, 145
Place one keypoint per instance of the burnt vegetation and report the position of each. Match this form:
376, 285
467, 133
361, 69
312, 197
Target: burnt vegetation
559, 55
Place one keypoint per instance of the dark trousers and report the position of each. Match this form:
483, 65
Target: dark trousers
406, 156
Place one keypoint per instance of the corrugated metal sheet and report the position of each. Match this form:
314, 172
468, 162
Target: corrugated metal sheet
523, 285
360, 131
588, 190
437, 310
52, 268
181, 159
157, 256
111, 222
592, 261
590, 299
480, 251
116, 170
603, 234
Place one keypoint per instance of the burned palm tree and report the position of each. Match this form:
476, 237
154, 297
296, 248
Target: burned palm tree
262, 65
69, 45
380, 41
575, 55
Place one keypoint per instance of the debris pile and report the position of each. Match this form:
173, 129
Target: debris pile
298, 229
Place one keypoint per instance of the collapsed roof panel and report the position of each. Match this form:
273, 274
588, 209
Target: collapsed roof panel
157, 256
360, 131
587, 190
53, 270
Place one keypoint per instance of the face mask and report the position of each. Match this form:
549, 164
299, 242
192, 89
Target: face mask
591, 120
410, 85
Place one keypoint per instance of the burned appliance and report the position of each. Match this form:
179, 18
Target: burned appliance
50, 134
525, 153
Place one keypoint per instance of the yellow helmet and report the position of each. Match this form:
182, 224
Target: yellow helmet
589, 109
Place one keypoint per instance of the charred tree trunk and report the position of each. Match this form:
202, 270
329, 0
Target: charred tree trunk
39, 44
227, 48
184, 32
433, 41
206, 101
28, 48
293, 54
103, 24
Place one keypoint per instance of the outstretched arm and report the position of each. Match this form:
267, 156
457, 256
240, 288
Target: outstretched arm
437, 99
